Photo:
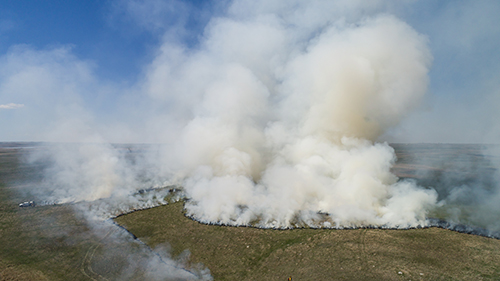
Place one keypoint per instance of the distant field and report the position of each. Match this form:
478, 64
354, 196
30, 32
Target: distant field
459, 162
56, 243
466, 175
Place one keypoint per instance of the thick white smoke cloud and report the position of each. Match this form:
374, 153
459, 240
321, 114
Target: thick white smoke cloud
272, 119
280, 119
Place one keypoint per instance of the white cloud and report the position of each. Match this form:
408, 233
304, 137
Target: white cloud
11, 106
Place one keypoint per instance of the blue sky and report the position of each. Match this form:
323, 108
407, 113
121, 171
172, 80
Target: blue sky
101, 52
93, 29
98, 30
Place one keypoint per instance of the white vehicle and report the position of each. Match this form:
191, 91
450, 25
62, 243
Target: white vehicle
27, 204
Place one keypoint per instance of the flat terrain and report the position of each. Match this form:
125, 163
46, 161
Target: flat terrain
57, 243
444, 164
32, 240
242, 253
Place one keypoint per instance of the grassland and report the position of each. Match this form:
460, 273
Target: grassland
242, 253
41, 243
57, 243
53, 242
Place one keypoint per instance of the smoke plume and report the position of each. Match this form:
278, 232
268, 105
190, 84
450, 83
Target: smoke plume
280, 121
273, 120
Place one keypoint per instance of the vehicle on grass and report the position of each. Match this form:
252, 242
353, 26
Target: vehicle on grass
27, 204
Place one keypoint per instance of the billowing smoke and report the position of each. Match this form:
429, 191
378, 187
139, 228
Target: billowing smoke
274, 119
280, 120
